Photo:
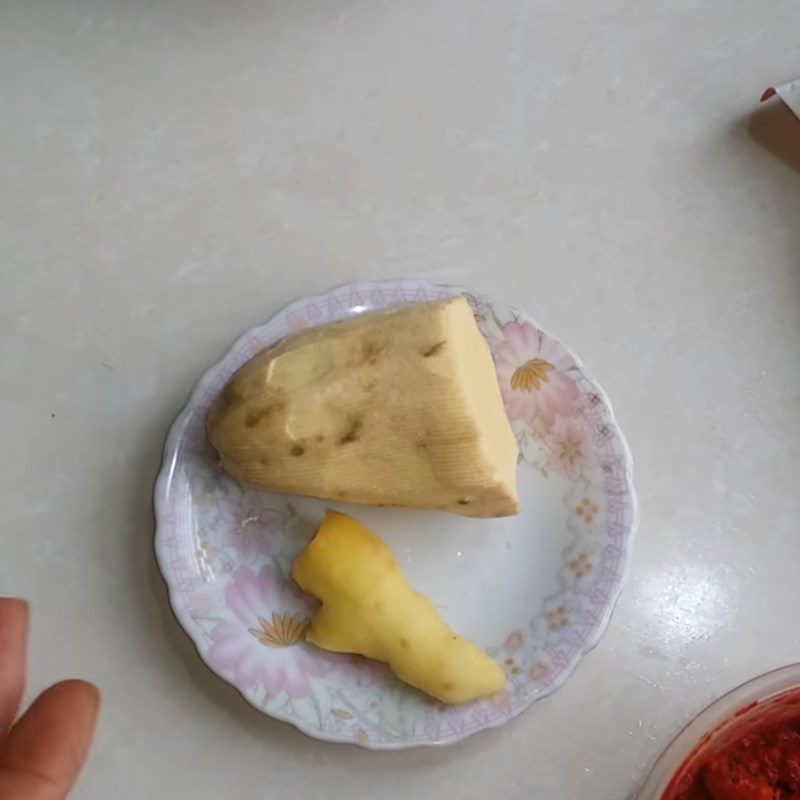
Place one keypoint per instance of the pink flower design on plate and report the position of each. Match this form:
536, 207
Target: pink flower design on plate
532, 372
569, 447
250, 528
265, 643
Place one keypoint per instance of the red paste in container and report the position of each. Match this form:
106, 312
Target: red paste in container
757, 757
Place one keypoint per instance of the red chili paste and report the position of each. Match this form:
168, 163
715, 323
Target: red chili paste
762, 764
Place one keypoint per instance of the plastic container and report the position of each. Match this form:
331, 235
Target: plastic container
774, 696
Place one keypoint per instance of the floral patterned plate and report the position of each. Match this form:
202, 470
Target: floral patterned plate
553, 572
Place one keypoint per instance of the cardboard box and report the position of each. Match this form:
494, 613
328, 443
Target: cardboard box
776, 125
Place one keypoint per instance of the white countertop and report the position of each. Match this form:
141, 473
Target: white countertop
173, 172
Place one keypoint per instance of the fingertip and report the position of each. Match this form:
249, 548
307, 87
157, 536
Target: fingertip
79, 685
14, 607
51, 739
13, 657
78, 690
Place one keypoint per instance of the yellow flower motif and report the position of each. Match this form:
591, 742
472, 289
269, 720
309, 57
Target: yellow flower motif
581, 565
531, 375
205, 498
571, 451
205, 553
556, 620
510, 667
586, 510
284, 631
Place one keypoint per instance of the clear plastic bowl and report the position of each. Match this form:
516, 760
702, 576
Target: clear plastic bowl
724, 721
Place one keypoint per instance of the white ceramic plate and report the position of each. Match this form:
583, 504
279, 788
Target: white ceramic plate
535, 590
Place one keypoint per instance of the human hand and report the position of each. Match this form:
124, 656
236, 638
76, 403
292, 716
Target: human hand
42, 754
